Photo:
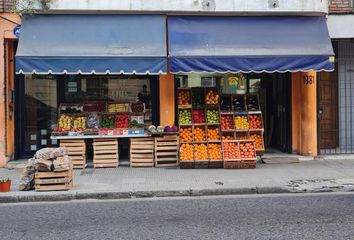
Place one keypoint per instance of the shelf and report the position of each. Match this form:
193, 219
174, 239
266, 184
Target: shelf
228, 130
199, 124
184, 106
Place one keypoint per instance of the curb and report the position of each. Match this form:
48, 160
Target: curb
69, 196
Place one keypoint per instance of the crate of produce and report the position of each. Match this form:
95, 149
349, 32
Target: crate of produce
258, 139
198, 94
166, 151
241, 121
186, 134
227, 136
93, 120
64, 123
117, 107
122, 120
227, 122
256, 121
212, 96
215, 155
238, 103
201, 158
247, 150
184, 97
70, 108
95, 107
142, 152
199, 133
108, 121
198, 116
105, 153
78, 123
212, 116
54, 181
184, 116
76, 149
213, 133
252, 102
186, 156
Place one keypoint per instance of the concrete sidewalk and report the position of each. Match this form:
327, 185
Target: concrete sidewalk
124, 182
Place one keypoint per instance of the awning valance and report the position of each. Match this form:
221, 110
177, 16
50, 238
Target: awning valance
249, 44
92, 44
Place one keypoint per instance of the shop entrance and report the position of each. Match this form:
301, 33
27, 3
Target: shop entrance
275, 100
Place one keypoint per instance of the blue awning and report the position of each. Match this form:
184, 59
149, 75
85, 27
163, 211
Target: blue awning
92, 44
249, 44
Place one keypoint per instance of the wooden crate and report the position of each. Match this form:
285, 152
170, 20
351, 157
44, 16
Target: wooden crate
241, 164
54, 181
105, 153
142, 152
215, 164
186, 164
76, 149
166, 151
201, 163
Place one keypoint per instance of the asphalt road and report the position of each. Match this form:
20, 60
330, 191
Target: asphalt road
307, 216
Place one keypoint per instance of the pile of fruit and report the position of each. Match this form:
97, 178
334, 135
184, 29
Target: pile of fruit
257, 139
255, 122
241, 122
93, 120
231, 150
108, 121
215, 151
227, 122
185, 116
201, 151
185, 135
186, 152
184, 97
122, 121
64, 123
212, 97
198, 116
227, 137
247, 150
199, 134
198, 97
213, 134
79, 124
212, 116
118, 107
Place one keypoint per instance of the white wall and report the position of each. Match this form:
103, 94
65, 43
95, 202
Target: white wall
341, 26
195, 6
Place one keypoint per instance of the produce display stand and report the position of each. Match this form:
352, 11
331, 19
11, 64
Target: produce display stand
105, 153
166, 151
142, 152
76, 149
54, 181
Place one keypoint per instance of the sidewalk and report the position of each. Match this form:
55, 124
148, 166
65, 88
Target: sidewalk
124, 182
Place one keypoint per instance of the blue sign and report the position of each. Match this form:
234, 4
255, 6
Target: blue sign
17, 30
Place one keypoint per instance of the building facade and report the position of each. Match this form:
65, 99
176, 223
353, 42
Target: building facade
292, 123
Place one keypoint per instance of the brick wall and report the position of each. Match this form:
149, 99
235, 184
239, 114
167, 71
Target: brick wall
340, 6
5, 5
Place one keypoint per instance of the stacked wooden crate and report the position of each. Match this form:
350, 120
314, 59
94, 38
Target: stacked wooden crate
105, 153
166, 151
76, 149
54, 181
142, 152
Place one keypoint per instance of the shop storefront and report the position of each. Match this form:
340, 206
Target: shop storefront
246, 79
88, 69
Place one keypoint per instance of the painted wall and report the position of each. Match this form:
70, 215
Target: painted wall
5, 36
304, 113
197, 6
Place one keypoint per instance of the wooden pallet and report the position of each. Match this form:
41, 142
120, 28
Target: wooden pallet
105, 153
186, 164
53, 181
241, 164
166, 151
76, 149
142, 152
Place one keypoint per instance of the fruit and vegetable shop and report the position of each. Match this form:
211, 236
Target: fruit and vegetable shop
203, 92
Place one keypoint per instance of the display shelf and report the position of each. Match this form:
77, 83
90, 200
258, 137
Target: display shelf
76, 149
105, 153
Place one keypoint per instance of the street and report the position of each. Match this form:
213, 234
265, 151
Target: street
286, 216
